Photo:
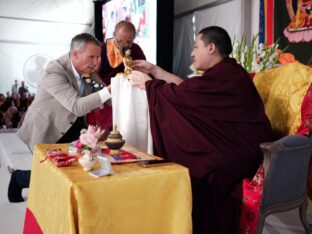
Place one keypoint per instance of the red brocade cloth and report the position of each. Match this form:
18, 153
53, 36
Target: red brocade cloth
124, 155
305, 128
306, 113
252, 194
59, 158
252, 189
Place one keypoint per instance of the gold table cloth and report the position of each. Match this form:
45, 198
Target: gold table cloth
133, 200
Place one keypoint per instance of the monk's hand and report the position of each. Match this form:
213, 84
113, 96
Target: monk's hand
138, 79
143, 66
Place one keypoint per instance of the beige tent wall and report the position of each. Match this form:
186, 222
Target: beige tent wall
35, 31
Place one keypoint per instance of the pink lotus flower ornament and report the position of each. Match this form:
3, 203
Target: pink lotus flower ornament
89, 138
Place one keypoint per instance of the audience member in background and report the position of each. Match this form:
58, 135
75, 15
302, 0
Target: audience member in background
63, 98
112, 63
213, 124
31, 98
11, 117
16, 102
12, 121
2, 100
12, 109
1, 120
24, 102
23, 90
14, 89
7, 103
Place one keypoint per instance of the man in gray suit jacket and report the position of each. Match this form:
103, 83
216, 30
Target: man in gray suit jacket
62, 100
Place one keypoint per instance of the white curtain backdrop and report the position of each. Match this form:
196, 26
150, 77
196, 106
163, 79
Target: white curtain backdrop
234, 16
228, 15
183, 44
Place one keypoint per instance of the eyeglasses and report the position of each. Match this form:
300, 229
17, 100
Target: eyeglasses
122, 44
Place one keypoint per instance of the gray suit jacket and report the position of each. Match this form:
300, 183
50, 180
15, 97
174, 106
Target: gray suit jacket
57, 104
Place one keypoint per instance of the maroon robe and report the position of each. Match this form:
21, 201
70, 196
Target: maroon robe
213, 125
106, 72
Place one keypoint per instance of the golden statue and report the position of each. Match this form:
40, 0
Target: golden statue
127, 61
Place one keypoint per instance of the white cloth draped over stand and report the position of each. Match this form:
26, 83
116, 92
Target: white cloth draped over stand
131, 114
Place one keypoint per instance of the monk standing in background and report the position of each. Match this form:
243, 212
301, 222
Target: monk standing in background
213, 124
113, 49
111, 64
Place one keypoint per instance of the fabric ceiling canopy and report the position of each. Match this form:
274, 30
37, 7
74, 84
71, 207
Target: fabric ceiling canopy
32, 28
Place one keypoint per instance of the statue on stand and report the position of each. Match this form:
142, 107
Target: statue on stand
127, 61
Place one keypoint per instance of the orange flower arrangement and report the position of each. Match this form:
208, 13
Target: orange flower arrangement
285, 58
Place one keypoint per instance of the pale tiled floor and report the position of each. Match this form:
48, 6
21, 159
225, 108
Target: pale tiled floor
285, 223
11, 214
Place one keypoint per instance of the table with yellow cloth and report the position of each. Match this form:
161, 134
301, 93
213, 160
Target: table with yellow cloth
133, 200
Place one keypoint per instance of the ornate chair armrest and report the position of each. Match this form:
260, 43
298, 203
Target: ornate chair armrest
285, 167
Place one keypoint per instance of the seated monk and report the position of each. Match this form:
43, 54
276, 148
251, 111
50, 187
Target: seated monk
213, 124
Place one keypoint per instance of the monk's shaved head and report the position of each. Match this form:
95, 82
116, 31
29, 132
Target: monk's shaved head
126, 26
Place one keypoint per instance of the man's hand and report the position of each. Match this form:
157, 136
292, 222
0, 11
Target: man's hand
156, 71
144, 66
138, 79
109, 88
